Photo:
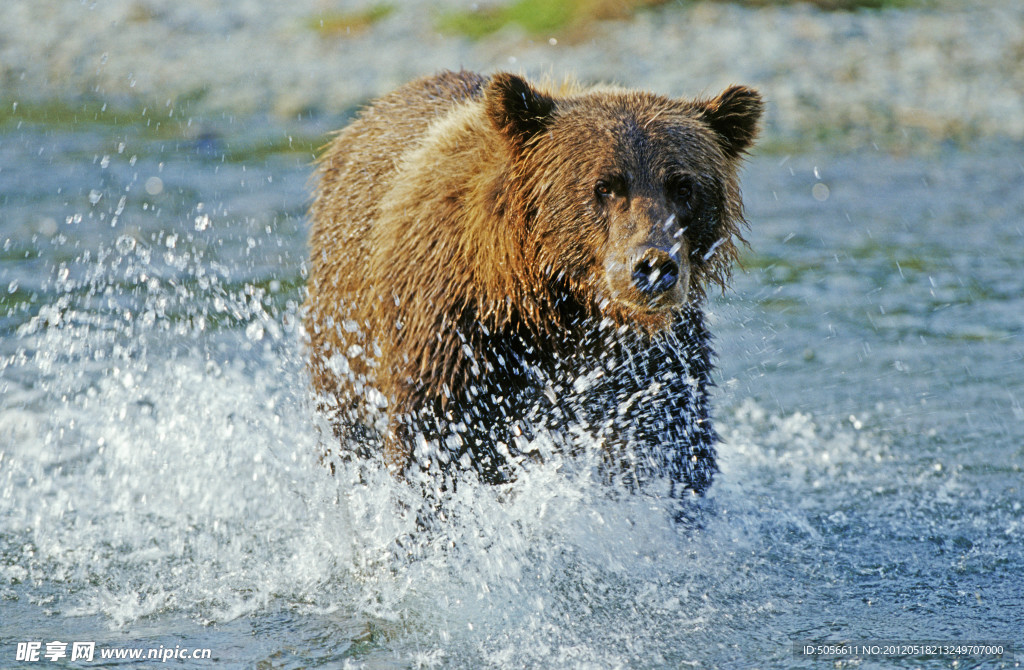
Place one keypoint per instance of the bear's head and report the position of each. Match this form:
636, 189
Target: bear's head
629, 198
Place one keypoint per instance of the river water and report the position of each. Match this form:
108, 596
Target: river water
158, 479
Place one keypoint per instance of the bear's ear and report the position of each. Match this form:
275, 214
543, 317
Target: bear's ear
516, 109
734, 116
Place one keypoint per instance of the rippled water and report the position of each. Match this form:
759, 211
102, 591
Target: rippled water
158, 477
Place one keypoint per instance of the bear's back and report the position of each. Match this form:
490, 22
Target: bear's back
354, 172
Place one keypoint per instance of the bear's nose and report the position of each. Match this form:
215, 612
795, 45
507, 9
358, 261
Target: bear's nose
655, 272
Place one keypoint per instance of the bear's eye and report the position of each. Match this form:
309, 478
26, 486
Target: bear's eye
681, 189
612, 186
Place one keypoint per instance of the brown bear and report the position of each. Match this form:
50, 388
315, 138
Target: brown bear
493, 260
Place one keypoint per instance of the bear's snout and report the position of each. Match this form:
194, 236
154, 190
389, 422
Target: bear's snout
656, 271
648, 277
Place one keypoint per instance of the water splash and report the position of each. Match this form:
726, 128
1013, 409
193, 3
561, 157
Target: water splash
160, 461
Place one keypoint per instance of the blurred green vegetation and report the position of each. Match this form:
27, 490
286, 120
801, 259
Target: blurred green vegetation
332, 24
540, 17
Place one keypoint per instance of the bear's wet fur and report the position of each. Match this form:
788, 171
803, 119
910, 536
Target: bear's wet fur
492, 259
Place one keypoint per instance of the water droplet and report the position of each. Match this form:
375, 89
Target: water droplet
13, 286
820, 192
254, 331
154, 186
202, 222
94, 196
125, 244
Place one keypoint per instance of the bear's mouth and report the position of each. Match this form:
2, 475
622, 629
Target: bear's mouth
624, 307
653, 306
646, 316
